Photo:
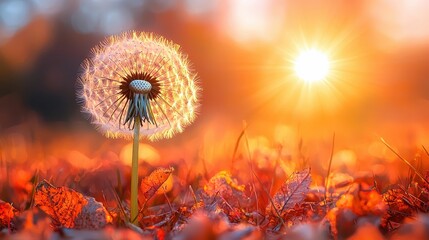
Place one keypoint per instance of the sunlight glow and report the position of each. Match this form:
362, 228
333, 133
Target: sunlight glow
312, 66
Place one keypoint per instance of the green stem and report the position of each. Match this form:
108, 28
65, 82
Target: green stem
135, 172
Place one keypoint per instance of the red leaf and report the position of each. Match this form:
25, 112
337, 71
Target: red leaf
70, 209
154, 181
292, 191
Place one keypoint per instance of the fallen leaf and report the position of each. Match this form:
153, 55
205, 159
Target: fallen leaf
70, 209
292, 191
362, 205
224, 185
7, 213
366, 202
224, 194
398, 208
154, 181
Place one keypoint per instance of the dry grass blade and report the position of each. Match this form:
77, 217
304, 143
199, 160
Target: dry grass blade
270, 199
405, 161
119, 203
254, 175
134, 227
237, 144
33, 191
426, 151
193, 194
251, 169
329, 170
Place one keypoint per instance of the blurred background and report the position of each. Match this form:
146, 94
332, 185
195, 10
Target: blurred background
243, 51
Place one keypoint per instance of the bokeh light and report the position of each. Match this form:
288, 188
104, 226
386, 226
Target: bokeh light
13, 16
400, 21
147, 153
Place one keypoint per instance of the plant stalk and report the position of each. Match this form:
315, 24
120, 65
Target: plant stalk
135, 172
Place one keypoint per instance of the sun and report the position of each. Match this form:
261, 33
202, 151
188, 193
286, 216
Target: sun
312, 65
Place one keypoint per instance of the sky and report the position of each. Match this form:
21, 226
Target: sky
243, 52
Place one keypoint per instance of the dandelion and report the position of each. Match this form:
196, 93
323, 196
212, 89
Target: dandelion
138, 85
138, 77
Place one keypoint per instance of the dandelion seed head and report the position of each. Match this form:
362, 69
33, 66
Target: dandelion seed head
141, 75
140, 86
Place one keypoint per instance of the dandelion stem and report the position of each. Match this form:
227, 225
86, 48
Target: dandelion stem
134, 171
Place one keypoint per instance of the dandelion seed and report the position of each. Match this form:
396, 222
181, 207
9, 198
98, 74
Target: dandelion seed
138, 76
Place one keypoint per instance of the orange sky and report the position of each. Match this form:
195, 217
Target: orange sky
243, 53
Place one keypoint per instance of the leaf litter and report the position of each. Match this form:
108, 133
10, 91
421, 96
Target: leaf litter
224, 206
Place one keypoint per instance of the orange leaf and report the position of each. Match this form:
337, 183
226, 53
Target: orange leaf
223, 184
7, 213
70, 209
154, 181
292, 192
